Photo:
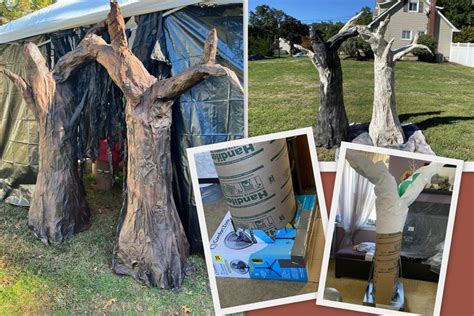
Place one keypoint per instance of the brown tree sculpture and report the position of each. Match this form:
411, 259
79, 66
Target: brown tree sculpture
331, 122
58, 207
151, 244
385, 128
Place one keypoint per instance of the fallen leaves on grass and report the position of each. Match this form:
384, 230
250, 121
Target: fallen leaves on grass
5, 281
186, 309
3, 262
110, 302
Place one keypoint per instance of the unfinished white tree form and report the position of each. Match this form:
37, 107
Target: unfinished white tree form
385, 128
391, 207
331, 122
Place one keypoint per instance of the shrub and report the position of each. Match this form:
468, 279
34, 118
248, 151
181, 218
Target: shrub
423, 54
465, 36
260, 46
355, 47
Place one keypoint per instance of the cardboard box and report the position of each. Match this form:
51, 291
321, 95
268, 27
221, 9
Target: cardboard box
294, 255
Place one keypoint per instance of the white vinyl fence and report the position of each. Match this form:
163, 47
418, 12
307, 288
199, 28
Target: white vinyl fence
462, 53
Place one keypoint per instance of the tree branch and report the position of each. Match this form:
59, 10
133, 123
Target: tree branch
382, 28
39, 77
210, 48
336, 41
367, 35
116, 27
402, 51
317, 38
388, 49
351, 22
87, 50
176, 85
78, 110
308, 53
21, 84
124, 68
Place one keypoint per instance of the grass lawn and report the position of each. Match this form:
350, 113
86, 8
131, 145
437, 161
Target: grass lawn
75, 277
439, 98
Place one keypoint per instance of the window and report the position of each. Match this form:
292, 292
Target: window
421, 32
413, 6
372, 218
406, 35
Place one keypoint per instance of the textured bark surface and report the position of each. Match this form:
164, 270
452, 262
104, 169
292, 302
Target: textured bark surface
385, 128
151, 244
332, 125
58, 207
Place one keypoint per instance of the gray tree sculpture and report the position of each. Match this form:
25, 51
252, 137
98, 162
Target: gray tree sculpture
58, 207
151, 244
331, 122
385, 128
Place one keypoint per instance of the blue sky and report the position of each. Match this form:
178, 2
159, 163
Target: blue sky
309, 11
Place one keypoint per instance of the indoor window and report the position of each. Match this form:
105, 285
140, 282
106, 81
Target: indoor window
406, 35
413, 6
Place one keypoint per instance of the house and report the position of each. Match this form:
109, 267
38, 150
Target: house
409, 17
283, 47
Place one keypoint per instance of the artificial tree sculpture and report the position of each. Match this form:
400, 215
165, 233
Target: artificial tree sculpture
331, 122
58, 207
385, 128
151, 244
391, 206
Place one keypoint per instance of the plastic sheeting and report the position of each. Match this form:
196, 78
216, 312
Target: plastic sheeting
425, 229
213, 111
68, 14
18, 127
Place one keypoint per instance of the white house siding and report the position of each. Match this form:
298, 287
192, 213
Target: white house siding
443, 35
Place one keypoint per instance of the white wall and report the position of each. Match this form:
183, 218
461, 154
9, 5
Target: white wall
462, 53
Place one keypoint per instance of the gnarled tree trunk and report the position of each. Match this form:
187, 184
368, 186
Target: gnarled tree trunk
332, 125
385, 128
151, 244
58, 207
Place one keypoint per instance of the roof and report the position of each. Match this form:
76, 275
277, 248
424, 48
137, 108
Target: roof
379, 17
67, 14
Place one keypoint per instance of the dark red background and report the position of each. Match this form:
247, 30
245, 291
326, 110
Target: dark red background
458, 297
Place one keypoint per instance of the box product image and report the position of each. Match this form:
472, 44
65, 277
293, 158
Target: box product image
261, 209
392, 227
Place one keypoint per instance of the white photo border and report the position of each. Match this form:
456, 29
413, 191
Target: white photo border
332, 217
202, 220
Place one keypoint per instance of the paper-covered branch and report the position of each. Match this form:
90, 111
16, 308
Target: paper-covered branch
374, 38
347, 31
176, 85
21, 84
402, 51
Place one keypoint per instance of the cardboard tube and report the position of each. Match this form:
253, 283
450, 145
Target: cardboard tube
257, 186
386, 266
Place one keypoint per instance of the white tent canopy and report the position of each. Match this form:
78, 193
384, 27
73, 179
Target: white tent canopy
67, 14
